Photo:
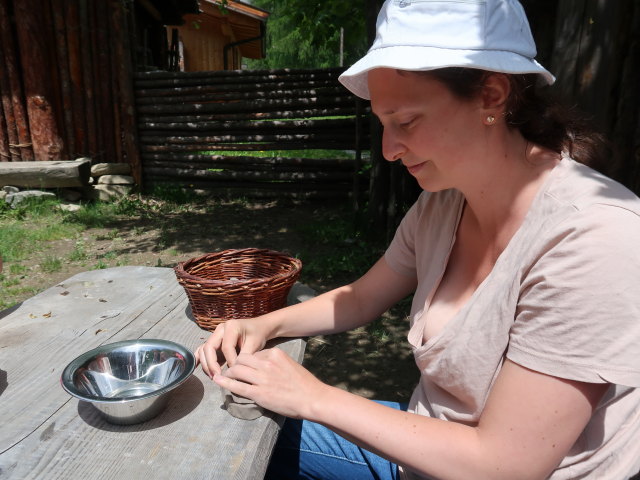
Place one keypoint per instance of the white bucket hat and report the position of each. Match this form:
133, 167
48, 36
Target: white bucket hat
416, 35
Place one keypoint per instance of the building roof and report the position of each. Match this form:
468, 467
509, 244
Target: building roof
243, 23
170, 12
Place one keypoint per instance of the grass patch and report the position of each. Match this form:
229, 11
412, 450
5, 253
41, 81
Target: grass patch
29, 227
51, 264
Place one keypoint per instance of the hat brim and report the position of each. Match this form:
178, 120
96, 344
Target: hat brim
420, 58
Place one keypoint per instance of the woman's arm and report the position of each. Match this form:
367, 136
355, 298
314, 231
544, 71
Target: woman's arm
339, 310
528, 425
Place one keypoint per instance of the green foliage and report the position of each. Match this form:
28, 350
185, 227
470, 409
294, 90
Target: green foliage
306, 33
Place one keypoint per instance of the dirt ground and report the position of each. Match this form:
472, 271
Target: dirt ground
373, 361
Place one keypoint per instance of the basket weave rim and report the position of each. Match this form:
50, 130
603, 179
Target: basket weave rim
295, 263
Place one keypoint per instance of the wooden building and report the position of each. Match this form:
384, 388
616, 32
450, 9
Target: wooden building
219, 37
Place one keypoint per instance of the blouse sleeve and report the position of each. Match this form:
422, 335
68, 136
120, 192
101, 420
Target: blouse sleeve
578, 315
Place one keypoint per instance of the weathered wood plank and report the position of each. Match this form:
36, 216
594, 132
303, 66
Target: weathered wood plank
63, 438
46, 174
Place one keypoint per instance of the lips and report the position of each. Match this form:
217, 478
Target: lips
413, 169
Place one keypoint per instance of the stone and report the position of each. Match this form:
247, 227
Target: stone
110, 192
14, 199
70, 207
100, 169
116, 180
10, 189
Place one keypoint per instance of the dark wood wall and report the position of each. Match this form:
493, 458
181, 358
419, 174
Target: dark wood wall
65, 81
199, 130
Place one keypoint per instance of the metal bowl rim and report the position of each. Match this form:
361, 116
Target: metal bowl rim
66, 379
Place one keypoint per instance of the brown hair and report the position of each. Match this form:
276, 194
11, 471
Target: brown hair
539, 118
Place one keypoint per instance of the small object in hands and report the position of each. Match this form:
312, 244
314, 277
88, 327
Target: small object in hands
239, 406
130, 381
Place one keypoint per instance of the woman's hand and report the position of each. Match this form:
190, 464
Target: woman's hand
229, 339
274, 381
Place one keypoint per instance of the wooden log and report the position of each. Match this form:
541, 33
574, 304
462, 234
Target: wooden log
36, 75
252, 126
63, 71
213, 160
296, 192
11, 68
234, 92
122, 50
76, 79
324, 145
282, 114
97, 79
253, 106
255, 166
9, 127
5, 155
263, 176
153, 137
150, 87
87, 77
330, 92
55, 82
46, 174
233, 75
228, 76
105, 80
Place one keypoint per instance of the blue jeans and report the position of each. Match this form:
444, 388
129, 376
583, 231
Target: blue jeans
307, 450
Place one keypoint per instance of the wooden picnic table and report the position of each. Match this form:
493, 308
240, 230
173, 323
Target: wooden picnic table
45, 433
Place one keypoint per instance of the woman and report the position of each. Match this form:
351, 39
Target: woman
523, 264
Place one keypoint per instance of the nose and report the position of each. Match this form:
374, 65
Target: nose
392, 148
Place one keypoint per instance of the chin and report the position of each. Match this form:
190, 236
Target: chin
431, 186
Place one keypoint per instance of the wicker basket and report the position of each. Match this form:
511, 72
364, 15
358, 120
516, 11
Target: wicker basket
241, 283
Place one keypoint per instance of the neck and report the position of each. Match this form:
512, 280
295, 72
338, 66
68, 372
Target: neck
503, 186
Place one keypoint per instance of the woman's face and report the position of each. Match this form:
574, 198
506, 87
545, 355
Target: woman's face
431, 131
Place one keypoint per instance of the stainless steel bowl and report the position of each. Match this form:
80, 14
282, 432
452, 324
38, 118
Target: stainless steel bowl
129, 381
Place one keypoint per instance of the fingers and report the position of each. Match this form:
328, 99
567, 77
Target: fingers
207, 353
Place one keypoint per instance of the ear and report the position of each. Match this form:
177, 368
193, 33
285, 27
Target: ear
495, 92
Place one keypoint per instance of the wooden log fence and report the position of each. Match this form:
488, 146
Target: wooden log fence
198, 130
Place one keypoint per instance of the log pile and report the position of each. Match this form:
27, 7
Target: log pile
199, 130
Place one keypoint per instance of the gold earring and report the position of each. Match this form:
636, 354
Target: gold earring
490, 119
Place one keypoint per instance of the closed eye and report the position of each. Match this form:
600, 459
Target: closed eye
408, 123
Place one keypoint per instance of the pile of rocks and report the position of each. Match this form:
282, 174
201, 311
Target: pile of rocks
111, 180
72, 181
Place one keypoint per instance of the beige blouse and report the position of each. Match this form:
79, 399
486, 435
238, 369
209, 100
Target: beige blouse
562, 299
